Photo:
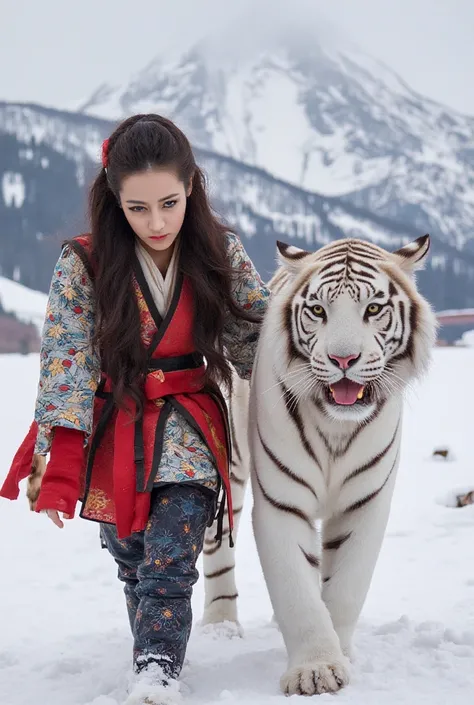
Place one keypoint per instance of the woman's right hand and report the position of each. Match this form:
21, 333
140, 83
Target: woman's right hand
54, 516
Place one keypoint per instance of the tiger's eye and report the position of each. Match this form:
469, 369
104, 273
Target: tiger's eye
318, 310
373, 308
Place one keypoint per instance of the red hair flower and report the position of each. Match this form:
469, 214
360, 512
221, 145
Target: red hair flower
105, 153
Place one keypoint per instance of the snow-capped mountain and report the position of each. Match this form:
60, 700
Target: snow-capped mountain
325, 118
48, 157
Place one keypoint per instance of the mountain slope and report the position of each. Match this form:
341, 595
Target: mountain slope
21, 317
325, 118
27, 305
48, 156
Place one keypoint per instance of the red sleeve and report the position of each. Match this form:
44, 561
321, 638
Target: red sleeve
60, 486
21, 464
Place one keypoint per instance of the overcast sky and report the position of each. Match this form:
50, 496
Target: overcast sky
56, 52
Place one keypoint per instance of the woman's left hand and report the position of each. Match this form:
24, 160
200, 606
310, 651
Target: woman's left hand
54, 516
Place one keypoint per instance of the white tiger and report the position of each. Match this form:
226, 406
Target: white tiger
345, 333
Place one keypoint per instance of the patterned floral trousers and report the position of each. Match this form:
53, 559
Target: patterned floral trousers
158, 567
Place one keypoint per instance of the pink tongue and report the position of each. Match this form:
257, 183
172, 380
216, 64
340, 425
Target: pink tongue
345, 391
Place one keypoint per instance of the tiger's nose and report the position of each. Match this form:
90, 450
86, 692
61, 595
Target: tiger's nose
344, 362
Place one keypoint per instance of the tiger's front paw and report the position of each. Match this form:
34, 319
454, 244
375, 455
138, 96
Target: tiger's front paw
322, 676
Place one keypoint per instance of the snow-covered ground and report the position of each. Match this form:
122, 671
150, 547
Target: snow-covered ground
64, 637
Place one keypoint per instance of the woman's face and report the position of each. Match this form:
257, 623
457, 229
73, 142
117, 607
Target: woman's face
154, 203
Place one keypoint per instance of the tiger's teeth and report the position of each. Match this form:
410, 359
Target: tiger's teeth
361, 393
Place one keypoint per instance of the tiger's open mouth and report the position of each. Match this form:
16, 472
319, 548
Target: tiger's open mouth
347, 393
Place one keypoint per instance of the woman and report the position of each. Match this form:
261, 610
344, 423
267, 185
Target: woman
144, 316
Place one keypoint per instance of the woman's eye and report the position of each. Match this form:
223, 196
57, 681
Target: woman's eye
318, 311
137, 209
169, 204
373, 309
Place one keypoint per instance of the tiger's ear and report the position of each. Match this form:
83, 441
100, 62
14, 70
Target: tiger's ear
412, 256
291, 257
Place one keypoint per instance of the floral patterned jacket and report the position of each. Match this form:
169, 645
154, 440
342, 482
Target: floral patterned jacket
70, 366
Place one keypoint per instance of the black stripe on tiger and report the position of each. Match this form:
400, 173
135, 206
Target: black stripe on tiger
314, 561
213, 544
291, 403
331, 275
335, 252
219, 573
409, 350
292, 351
287, 508
284, 469
402, 315
413, 315
211, 551
347, 247
333, 281
225, 597
338, 452
365, 252
366, 277
392, 289
235, 512
351, 261
330, 265
379, 342
236, 479
399, 329
373, 461
389, 315
368, 498
413, 326
235, 444
304, 290
334, 544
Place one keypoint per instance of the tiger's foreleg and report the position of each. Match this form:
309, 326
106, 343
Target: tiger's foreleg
351, 544
288, 550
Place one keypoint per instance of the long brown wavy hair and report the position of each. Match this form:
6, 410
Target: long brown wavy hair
139, 143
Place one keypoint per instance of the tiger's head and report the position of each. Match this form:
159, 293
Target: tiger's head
358, 330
